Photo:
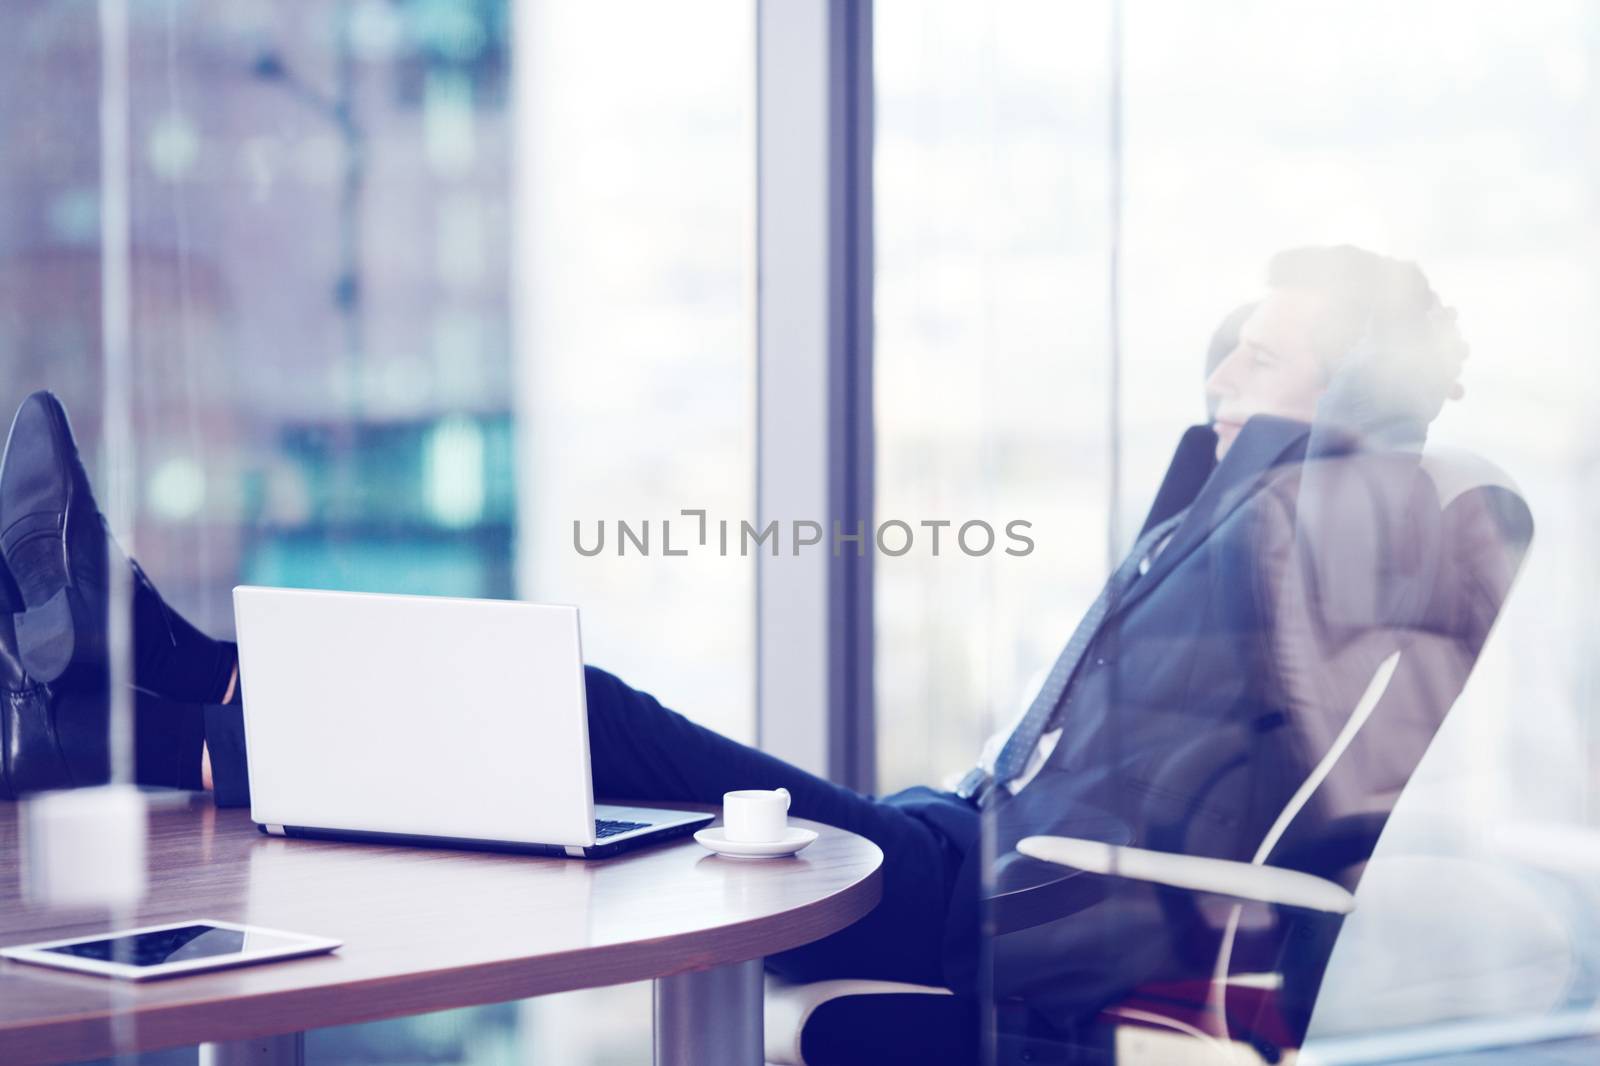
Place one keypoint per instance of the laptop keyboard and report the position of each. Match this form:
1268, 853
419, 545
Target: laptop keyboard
604, 828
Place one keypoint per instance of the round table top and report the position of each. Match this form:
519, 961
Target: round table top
423, 929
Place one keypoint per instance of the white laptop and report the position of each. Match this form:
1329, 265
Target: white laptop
422, 719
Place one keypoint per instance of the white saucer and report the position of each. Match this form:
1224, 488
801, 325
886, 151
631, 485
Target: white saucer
793, 840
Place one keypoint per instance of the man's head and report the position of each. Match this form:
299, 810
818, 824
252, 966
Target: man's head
1330, 311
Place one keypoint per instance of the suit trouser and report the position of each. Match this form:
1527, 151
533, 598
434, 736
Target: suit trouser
641, 751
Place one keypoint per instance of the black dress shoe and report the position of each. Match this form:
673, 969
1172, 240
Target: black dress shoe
53, 541
31, 757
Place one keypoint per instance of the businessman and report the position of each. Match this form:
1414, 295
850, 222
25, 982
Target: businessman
1333, 379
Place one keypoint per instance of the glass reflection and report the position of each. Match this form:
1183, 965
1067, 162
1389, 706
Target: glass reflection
327, 387
1457, 138
1204, 775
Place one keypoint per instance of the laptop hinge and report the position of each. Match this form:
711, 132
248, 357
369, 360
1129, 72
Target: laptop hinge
274, 830
574, 851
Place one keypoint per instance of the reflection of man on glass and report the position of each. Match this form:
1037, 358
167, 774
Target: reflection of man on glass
1295, 546
1348, 352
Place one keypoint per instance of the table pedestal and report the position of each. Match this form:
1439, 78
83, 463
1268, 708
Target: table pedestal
710, 1018
289, 1049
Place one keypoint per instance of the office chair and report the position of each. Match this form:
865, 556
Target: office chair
1270, 945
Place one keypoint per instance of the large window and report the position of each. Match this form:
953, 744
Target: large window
1455, 136
635, 373
426, 296
319, 302
1457, 139
992, 359
414, 287
636, 330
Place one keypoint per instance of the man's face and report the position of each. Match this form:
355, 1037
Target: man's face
1274, 370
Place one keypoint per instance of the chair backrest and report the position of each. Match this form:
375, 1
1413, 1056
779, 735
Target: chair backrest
1332, 822
1484, 534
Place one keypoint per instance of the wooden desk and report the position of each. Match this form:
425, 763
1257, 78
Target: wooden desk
427, 930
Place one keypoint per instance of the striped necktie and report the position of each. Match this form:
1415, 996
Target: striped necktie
1013, 758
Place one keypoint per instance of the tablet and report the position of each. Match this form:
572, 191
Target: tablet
169, 950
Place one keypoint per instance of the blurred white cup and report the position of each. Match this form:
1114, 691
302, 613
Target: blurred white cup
84, 847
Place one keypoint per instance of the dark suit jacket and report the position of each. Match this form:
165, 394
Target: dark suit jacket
1249, 641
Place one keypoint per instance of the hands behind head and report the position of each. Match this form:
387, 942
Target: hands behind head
1387, 390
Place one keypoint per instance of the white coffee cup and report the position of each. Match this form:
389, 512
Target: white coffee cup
755, 815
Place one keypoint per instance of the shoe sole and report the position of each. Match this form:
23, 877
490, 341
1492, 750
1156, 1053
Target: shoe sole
46, 627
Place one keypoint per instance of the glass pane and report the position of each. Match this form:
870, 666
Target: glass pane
414, 288
635, 331
1257, 716
991, 371
1471, 160
636, 375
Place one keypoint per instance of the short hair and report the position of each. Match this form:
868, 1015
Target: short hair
1384, 308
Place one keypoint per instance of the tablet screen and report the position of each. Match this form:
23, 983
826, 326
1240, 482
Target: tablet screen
162, 945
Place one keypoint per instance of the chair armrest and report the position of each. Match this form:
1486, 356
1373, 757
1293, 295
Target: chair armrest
788, 1006
1223, 877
